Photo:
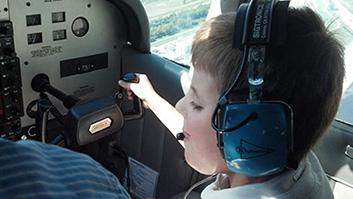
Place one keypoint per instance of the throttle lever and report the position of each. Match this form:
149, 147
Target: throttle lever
137, 111
41, 119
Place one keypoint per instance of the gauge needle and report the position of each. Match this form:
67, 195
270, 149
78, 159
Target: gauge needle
34, 38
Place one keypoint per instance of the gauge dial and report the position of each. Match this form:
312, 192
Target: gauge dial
34, 38
33, 20
80, 26
59, 34
58, 17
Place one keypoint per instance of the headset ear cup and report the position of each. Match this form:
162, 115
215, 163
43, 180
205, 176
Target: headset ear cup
238, 30
259, 144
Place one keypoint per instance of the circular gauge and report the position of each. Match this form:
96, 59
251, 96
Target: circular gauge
80, 26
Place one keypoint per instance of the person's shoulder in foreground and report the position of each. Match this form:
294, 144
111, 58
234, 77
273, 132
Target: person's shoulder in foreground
30, 169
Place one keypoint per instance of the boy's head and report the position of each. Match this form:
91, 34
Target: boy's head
307, 72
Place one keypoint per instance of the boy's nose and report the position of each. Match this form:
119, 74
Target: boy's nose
180, 107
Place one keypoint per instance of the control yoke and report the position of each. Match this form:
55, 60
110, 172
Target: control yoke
137, 111
87, 120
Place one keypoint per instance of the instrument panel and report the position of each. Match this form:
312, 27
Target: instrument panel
76, 44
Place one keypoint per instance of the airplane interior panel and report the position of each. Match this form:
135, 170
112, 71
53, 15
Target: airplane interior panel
60, 61
77, 48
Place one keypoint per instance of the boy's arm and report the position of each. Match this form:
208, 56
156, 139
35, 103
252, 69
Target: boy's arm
165, 112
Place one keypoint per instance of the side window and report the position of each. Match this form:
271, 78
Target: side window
173, 24
339, 14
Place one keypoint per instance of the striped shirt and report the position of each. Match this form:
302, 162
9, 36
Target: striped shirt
30, 169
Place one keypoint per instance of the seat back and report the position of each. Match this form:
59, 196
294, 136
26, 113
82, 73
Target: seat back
333, 151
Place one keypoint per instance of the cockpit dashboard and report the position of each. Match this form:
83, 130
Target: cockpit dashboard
71, 42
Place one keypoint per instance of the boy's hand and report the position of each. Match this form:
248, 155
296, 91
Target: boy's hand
165, 112
142, 90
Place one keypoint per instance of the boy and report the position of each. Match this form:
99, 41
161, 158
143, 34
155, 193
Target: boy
306, 73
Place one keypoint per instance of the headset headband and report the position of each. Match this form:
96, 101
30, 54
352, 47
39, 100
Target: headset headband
260, 22
254, 136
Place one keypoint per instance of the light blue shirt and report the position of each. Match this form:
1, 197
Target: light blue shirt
30, 169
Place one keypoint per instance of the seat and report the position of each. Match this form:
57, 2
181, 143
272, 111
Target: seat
332, 151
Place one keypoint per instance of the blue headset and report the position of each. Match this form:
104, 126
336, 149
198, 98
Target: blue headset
255, 136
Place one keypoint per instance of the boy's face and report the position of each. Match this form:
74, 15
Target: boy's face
201, 151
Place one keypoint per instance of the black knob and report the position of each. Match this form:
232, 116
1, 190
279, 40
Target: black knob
13, 81
10, 67
131, 77
9, 52
14, 98
39, 81
4, 30
15, 111
15, 126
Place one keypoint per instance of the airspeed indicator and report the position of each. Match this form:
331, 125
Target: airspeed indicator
80, 27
